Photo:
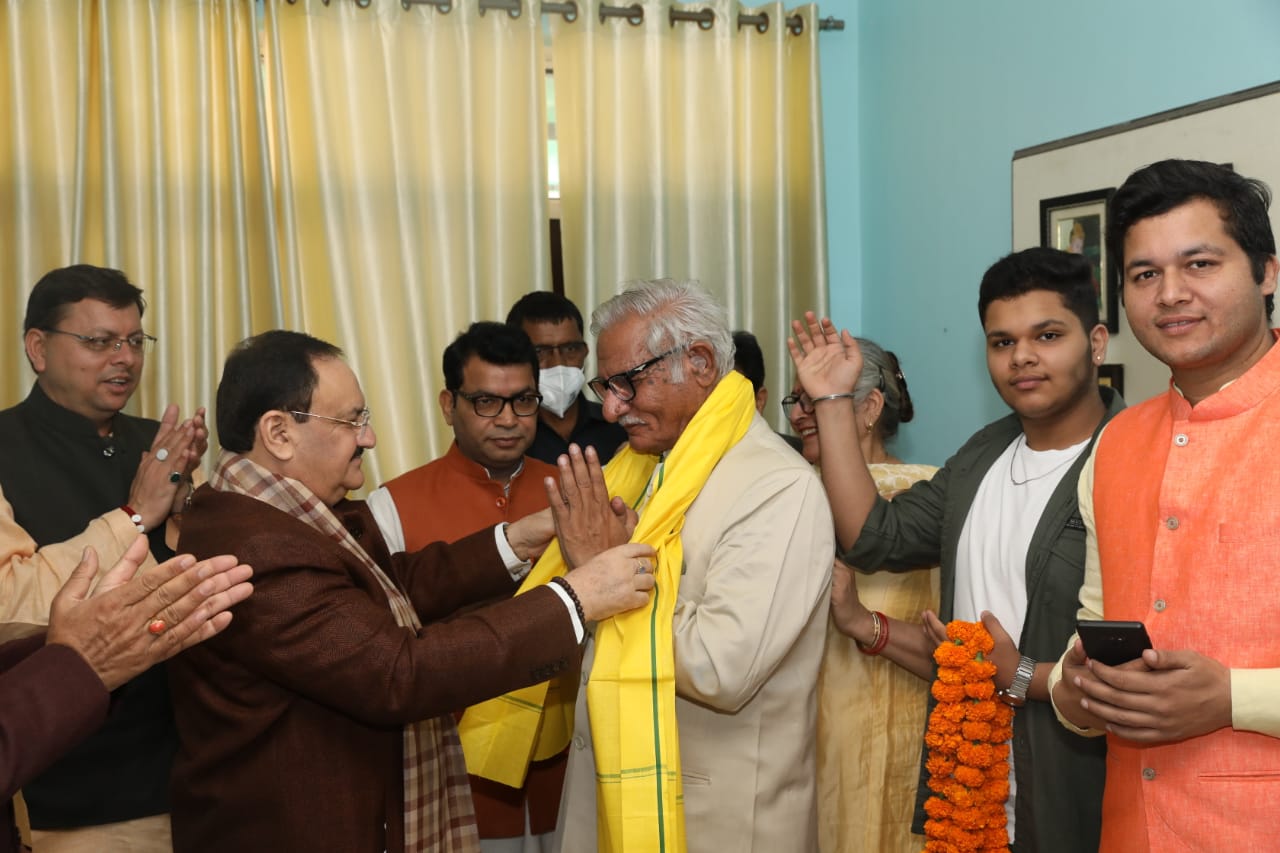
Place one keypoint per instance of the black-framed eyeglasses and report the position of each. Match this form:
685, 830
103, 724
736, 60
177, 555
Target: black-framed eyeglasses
801, 399
491, 405
108, 343
623, 385
570, 351
362, 420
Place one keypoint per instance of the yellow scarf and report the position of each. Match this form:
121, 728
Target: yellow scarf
632, 685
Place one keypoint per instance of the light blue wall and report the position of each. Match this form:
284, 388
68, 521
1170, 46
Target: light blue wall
924, 103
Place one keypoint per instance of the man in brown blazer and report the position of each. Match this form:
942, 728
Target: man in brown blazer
319, 719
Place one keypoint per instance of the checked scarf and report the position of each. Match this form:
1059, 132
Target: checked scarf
631, 691
438, 815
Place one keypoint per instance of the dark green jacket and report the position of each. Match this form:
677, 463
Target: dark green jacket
1060, 775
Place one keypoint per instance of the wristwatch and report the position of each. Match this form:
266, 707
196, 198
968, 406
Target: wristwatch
1015, 695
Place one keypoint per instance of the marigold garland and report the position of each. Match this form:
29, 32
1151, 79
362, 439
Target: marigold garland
968, 736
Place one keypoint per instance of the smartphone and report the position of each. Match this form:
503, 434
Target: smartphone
1112, 643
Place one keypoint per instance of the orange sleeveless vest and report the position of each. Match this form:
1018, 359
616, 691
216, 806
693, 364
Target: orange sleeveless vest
1187, 502
451, 497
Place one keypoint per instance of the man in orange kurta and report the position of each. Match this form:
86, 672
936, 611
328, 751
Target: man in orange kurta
491, 401
1180, 505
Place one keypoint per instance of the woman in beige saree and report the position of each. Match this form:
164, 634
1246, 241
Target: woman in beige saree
871, 711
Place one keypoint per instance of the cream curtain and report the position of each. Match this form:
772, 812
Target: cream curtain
411, 166
132, 138
695, 153
382, 183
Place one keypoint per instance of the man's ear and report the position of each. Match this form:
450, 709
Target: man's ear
1269, 272
702, 363
446, 406
1098, 339
762, 399
275, 435
34, 342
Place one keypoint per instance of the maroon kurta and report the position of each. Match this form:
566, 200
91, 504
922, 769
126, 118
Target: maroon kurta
50, 700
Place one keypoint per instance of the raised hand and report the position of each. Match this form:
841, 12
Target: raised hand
587, 521
827, 361
199, 442
133, 621
162, 481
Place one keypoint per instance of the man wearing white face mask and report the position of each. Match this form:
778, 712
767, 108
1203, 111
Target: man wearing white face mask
554, 324
490, 398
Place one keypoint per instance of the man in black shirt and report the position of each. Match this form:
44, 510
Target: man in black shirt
554, 324
75, 457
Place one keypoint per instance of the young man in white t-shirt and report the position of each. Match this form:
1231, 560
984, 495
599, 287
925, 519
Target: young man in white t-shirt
1000, 518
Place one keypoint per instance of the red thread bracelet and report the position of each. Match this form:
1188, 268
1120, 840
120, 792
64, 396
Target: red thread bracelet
134, 517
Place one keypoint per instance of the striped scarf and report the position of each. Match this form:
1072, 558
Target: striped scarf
438, 815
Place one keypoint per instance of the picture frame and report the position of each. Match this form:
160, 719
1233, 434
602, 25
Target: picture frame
1078, 223
1112, 376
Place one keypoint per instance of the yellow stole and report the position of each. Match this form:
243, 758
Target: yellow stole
632, 684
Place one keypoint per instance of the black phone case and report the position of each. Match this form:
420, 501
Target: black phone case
1113, 642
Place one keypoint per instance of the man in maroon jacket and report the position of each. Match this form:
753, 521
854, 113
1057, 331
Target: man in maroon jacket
320, 720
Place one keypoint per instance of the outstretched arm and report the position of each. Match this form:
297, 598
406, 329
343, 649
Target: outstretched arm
30, 577
133, 620
909, 645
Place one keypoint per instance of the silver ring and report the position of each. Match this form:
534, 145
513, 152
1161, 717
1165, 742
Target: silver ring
162, 454
175, 477
641, 568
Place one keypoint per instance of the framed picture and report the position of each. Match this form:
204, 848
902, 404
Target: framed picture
1078, 223
1112, 376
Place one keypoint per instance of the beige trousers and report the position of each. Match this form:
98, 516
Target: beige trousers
144, 835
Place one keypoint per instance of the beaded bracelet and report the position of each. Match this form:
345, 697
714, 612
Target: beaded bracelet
134, 517
881, 637
573, 596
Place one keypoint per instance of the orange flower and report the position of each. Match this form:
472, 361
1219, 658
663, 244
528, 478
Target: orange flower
985, 711
950, 692
967, 740
978, 671
952, 654
976, 731
978, 690
940, 765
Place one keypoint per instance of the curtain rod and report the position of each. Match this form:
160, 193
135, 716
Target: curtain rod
633, 14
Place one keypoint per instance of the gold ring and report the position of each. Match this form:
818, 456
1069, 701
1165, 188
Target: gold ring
641, 568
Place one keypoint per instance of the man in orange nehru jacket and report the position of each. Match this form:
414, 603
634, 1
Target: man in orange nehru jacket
1179, 504
491, 400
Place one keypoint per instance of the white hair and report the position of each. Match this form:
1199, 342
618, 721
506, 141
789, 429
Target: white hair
678, 313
